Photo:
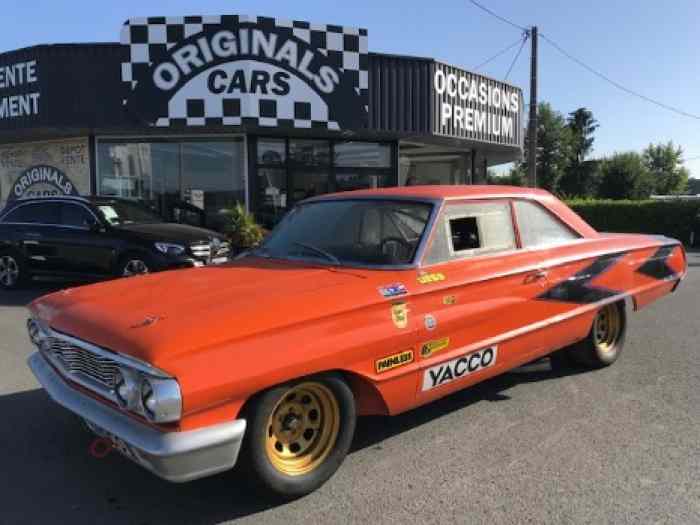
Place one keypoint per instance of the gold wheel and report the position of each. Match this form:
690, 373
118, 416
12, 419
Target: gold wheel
302, 429
607, 328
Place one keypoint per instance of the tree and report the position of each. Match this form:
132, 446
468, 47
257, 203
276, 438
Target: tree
625, 176
514, 177
581, 176
664, 161
582, 126
553, 147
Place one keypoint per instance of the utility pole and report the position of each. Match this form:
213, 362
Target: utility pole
532, 128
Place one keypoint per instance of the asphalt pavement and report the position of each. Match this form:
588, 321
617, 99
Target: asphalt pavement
538, 445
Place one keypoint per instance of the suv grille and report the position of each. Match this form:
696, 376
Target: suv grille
208, 251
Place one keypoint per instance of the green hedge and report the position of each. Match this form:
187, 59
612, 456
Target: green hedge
671, 218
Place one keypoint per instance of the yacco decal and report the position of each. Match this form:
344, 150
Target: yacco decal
656, 265
459, 367
577, 288
233, 70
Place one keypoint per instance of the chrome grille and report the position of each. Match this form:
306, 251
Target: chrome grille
209, 251
201, 250
76, 361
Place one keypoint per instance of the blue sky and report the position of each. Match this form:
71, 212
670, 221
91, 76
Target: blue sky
649, 46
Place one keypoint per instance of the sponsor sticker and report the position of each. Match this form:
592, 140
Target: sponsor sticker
449, 300
393, 290
393, 361
399, 314
428, 278
433, 347
459, 367
430, 322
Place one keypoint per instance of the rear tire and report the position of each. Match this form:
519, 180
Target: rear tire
605, 341
299, 433
13, 270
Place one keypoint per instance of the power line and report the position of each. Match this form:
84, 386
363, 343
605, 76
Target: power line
525, 36
616, 84
494, 57
502, 19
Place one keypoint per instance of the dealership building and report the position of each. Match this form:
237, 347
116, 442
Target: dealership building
200, 112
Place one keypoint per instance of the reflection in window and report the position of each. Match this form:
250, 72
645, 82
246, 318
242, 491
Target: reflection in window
309, 184
271, 151
272, 195
538, 227
360, 180
362, 154
310, 152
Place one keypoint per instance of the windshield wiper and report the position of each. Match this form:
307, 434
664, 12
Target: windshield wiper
319, 251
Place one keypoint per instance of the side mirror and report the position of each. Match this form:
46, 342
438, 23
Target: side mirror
96, 227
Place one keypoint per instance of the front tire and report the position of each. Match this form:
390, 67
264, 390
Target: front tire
299, 434
134, 264
13, 270
604, 343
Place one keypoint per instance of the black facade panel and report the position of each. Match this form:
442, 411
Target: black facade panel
399, 94
77, 86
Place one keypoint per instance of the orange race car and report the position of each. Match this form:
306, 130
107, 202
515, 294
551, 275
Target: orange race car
366, 302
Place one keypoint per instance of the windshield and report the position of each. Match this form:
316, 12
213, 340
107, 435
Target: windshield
117, 213
350, 232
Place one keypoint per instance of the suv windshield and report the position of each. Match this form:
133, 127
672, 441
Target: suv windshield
119, 212
350, 232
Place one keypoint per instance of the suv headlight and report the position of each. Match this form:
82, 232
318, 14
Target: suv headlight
170, 249
161, 399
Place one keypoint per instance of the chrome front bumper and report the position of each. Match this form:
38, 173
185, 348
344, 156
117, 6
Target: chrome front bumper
174, 456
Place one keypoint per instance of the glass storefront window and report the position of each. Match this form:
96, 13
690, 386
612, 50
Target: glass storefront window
310, 152
181, 180
272, 151
362, 154
309, 184
272, 195
361, 180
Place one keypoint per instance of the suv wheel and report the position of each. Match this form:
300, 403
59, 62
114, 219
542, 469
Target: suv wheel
134, 265
12, 270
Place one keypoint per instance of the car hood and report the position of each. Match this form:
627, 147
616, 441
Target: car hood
166, 231
158, 317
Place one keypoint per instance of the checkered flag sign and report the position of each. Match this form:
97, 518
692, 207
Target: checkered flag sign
237, 70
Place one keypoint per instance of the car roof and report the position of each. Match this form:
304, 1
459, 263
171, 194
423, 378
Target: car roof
441, 192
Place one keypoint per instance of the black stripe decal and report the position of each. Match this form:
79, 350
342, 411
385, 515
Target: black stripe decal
656, 266
576, 289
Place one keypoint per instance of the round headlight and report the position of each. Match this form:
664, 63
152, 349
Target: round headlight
161, 399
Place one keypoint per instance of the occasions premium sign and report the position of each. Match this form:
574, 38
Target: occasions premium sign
471, 106
233, 70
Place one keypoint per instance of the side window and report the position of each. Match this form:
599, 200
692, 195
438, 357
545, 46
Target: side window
76, 216
538, 227
38, 213
466, 230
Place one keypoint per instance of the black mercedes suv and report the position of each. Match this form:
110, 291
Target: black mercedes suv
96, 237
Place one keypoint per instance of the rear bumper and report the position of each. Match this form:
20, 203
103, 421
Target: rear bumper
174, 456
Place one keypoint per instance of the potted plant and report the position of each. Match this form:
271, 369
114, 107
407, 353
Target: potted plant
242, 229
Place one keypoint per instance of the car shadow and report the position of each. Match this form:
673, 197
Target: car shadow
54, 477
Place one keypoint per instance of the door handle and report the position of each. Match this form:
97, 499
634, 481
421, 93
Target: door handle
33, 235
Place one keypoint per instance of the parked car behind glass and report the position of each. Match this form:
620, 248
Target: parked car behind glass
96, 237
